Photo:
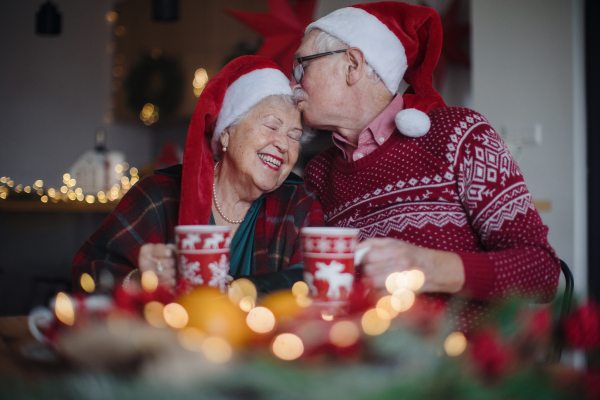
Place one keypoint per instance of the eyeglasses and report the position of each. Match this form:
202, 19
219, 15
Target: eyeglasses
298, 71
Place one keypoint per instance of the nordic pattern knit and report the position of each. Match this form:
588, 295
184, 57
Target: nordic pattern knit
455, 189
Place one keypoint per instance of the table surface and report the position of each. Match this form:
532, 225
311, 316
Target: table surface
20, 352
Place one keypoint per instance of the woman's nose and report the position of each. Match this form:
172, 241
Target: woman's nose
281, 143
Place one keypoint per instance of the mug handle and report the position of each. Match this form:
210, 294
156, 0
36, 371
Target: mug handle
39, 316
359, 254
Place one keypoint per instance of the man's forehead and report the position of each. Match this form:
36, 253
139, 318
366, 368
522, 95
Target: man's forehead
306, 48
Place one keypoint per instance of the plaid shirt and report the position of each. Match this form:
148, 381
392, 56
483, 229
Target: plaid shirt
149, 212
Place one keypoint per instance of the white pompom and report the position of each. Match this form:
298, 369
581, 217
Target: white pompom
412, 122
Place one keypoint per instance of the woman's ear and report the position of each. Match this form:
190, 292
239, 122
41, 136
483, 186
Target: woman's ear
224, 139
356, 65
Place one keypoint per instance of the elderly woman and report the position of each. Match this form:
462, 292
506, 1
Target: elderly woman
247, 117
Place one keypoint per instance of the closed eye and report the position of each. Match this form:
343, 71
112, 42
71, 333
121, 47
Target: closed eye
295, 135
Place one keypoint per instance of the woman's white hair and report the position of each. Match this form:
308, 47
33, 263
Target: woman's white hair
326, 42
307, 133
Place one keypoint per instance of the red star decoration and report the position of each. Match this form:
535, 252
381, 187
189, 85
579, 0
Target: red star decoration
282, 27
452, 52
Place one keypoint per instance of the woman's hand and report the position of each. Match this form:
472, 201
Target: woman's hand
444, 270
160, 259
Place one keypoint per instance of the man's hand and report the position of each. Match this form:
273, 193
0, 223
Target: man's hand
444, 271
159, 258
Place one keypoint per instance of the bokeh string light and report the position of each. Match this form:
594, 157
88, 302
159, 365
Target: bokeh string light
287, 346
69, 192
64, 309
455, 344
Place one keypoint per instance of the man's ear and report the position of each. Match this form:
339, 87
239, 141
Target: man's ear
356, 65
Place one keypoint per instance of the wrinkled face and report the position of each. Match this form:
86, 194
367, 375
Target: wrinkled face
320, 95
263, 148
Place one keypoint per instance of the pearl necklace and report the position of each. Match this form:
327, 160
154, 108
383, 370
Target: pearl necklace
231, 221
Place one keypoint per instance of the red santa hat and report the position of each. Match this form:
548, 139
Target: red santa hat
239, 86
398, 40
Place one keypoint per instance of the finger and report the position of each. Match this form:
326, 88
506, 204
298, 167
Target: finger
373, 242
169, 283
167, 274
161, 250
146, 250
147, 264
167, 263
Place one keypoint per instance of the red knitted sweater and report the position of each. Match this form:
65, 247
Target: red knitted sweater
456, 189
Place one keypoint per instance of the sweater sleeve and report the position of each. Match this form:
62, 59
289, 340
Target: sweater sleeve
146, 214
519, 260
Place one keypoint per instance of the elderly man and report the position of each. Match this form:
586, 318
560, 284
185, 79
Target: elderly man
431, 187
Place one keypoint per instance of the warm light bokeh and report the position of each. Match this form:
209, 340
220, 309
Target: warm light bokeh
455, 344
344, 333
175, 315
288, 346
154, 314
372, 322
241, 288
217, 350
64, 309
191, 339
386, 304
87, 283
261, 320
406, 299
300, 289
391, 282
149, 281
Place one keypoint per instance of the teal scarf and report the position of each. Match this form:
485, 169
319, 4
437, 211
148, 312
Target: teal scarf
240, 257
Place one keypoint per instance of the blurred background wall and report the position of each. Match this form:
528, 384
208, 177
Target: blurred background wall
526, 76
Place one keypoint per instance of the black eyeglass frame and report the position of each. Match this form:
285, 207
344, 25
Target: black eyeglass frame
300, 60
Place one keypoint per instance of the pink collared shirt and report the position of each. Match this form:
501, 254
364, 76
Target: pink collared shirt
374, 135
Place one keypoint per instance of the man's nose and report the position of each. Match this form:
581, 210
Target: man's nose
293, 84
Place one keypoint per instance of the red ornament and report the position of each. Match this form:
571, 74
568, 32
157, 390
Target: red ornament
582, 328
282, 27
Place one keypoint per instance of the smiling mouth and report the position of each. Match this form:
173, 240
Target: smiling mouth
271, 161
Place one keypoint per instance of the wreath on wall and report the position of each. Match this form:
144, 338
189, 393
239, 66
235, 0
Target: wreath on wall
157, 81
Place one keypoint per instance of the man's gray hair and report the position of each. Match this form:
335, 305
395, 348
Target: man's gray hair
307, 133
326, 42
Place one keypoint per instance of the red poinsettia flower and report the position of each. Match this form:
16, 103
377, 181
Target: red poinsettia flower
582, 328
489, 354
426, 314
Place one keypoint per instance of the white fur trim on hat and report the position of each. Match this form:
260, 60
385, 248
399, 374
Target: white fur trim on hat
246, 92
412, 122
381, 47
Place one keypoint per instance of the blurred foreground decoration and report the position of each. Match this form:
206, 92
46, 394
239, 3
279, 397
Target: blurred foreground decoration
148, 343
282, 28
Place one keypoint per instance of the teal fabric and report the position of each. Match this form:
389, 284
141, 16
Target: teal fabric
242, 244
240, 255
